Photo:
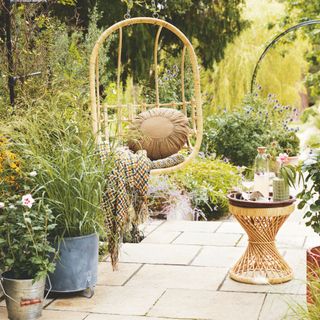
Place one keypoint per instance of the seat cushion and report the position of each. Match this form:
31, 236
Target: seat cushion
162, 132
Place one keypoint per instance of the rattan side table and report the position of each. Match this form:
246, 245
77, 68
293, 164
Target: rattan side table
261, 263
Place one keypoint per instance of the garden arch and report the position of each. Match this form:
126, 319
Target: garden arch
273, 42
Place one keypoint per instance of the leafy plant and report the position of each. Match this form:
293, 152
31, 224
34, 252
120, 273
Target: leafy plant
25, 224
24, 246
236, 135
208, 181
162, 193
226, 87
56, 140
299, 311
310, 194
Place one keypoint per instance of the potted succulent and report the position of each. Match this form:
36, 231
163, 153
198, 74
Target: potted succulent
25, 252
310, 200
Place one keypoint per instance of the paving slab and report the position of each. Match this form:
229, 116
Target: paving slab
181, 277
285, 241
112, 300
312, 241
148, 229
279, 306
296, 258
294, 229
208, 239
158, 253
161, 236
230, 227
193, 226
202, 304
218, 256
295, 286
108, 277
115, 317
51, 315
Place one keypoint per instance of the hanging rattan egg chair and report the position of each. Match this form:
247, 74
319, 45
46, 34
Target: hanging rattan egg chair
127, 113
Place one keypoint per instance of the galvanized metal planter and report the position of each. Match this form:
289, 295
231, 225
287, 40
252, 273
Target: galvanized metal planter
77, 265
24, 299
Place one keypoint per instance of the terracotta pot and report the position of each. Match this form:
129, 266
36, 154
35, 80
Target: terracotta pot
313, 269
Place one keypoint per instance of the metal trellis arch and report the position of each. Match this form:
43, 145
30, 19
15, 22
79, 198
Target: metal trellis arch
274, 41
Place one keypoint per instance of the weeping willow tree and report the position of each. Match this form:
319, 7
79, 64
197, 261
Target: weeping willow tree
281, 72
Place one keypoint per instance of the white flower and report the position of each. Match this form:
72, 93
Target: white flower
11, 206
27, 200
1, 205
33, 174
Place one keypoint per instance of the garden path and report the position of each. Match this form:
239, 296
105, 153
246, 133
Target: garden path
180, 271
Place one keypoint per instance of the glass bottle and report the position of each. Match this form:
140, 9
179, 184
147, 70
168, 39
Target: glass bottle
261, 172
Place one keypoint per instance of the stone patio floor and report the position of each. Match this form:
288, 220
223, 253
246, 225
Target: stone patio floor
180, 271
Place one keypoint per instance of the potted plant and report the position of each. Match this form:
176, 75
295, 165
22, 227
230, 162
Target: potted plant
73, 180
310, 200
283, 142
26, 254
285, 178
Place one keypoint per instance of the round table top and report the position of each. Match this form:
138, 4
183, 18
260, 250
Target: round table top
258, 204
262, 212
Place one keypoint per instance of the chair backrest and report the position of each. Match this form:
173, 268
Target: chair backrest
101, 120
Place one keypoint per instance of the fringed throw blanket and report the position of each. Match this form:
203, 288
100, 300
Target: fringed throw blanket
127, 187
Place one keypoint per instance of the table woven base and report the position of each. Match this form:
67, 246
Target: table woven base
261, 263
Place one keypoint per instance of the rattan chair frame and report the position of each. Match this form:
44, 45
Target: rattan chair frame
99, 112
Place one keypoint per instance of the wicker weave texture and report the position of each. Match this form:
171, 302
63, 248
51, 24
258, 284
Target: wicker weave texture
261, 263
100, 120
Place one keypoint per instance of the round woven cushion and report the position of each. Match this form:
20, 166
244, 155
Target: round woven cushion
162, 132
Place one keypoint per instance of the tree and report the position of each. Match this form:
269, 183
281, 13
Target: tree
299, 11
209, 24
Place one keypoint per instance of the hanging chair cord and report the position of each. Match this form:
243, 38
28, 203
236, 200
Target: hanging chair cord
129, 4
155, 9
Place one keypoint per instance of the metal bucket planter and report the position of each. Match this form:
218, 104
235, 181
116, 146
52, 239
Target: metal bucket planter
77, 265
24, 299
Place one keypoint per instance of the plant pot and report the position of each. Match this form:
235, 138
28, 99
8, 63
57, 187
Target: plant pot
24, 298
77, 264
313, 270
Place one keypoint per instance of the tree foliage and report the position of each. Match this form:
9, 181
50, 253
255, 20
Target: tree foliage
209, 24
299, 11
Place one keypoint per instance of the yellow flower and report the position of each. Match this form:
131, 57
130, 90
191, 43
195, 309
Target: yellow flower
13, 165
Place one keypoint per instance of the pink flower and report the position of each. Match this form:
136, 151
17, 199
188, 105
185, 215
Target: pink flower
27, 200
283, 158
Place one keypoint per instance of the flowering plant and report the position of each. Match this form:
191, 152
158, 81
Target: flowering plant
286, 171
25, 220
10, 168
25, 224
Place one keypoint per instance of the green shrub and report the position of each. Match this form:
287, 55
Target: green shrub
208, 181
56, 141
259, 122
308, 114
286, 142
313, 141
235, 136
